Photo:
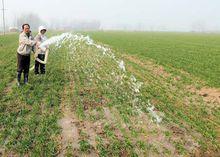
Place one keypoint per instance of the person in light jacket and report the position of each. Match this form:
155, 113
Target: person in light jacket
26, 43
40, 38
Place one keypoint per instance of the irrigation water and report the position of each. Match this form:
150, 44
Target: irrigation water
110, 78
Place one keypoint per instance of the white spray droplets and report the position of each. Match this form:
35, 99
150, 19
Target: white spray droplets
135, 85
75, 41
153, 113
122, 65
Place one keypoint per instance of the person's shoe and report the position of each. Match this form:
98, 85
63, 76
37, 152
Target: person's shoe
25, 78
18, 84
25, 82
19, 79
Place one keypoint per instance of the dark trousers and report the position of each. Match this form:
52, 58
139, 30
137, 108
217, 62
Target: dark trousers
37, 65
23, 65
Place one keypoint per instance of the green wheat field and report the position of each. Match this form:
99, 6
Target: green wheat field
86, 105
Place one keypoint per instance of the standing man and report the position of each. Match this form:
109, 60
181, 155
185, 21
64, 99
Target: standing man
26, 44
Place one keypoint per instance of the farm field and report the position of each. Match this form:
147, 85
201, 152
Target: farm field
195, 53
120, 94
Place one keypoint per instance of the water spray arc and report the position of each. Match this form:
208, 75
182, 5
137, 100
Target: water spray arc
75, 42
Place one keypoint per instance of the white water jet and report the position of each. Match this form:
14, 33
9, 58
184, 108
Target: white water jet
134, 84
54, 39
122, 65
153, 113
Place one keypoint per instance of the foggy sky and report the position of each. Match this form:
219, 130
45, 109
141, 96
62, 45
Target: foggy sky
171, 15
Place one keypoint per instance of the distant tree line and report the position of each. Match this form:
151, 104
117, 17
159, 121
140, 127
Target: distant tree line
35, 21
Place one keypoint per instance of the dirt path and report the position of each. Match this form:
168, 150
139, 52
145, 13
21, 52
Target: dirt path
70, 132
72, 127
8, 88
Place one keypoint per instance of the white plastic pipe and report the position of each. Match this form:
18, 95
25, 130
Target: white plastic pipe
45, 59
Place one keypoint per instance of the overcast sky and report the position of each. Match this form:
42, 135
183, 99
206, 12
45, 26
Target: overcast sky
177, 15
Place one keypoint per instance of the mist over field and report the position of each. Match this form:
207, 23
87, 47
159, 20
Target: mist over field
144, 15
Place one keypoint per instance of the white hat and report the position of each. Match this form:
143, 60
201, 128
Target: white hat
41, 28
